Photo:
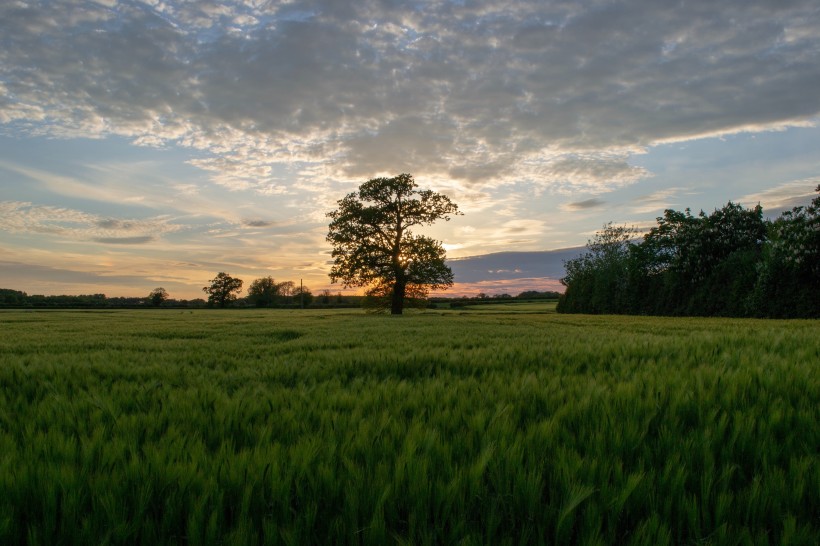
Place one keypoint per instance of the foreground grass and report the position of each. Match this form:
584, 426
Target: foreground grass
491, 426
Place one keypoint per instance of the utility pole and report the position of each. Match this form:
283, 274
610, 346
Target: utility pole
301, 295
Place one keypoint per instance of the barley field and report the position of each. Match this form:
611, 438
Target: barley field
497, 425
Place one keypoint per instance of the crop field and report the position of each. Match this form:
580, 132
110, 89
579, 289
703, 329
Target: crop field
491, 425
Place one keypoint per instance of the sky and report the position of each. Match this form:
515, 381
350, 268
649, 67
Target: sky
158, 142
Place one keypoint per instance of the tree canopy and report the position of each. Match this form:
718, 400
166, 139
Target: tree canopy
223, 289
374, 245
158, 296
731, 262
263, 292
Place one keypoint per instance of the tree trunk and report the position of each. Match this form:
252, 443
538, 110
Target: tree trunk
397, 303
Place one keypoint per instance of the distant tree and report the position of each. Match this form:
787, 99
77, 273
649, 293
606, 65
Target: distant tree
223, 289
302, 296
158, 296
325, 296
536, 295
597, 281
263, 292
373, 244
286, 290
12, 297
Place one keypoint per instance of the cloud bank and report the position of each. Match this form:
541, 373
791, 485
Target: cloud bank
471, 95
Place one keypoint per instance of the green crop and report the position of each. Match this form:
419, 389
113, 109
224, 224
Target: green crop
502, 425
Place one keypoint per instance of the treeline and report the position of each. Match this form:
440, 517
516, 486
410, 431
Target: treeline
481, 299
729, 263
223, 292
18, 299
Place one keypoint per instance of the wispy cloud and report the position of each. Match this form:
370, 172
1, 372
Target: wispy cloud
783, 196
65, 223
657, 201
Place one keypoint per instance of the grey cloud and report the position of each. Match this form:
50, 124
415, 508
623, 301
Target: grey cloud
496, 91
111, 223
35, 278
26, 272
536, 37
512, 265
589, 170
141, 240
257, 223
586, 204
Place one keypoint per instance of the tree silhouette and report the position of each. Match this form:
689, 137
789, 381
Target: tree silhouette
223, 289
373, 244
263, 292
158, 296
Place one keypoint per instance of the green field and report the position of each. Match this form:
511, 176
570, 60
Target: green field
490, 425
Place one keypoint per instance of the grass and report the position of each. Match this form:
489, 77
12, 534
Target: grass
473, 426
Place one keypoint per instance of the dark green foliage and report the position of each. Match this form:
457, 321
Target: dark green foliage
598, 280
788, 284
12, 298
729, 263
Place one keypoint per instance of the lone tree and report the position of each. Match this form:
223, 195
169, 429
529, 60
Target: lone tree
223, 289
158, 296
373, 245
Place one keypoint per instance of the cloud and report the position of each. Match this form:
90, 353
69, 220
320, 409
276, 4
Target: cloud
592, 171
558, 94
69, 224
257, 223
512, 265
140, 240
54, 274
657, 201
784, 196
585, 204
41, 279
